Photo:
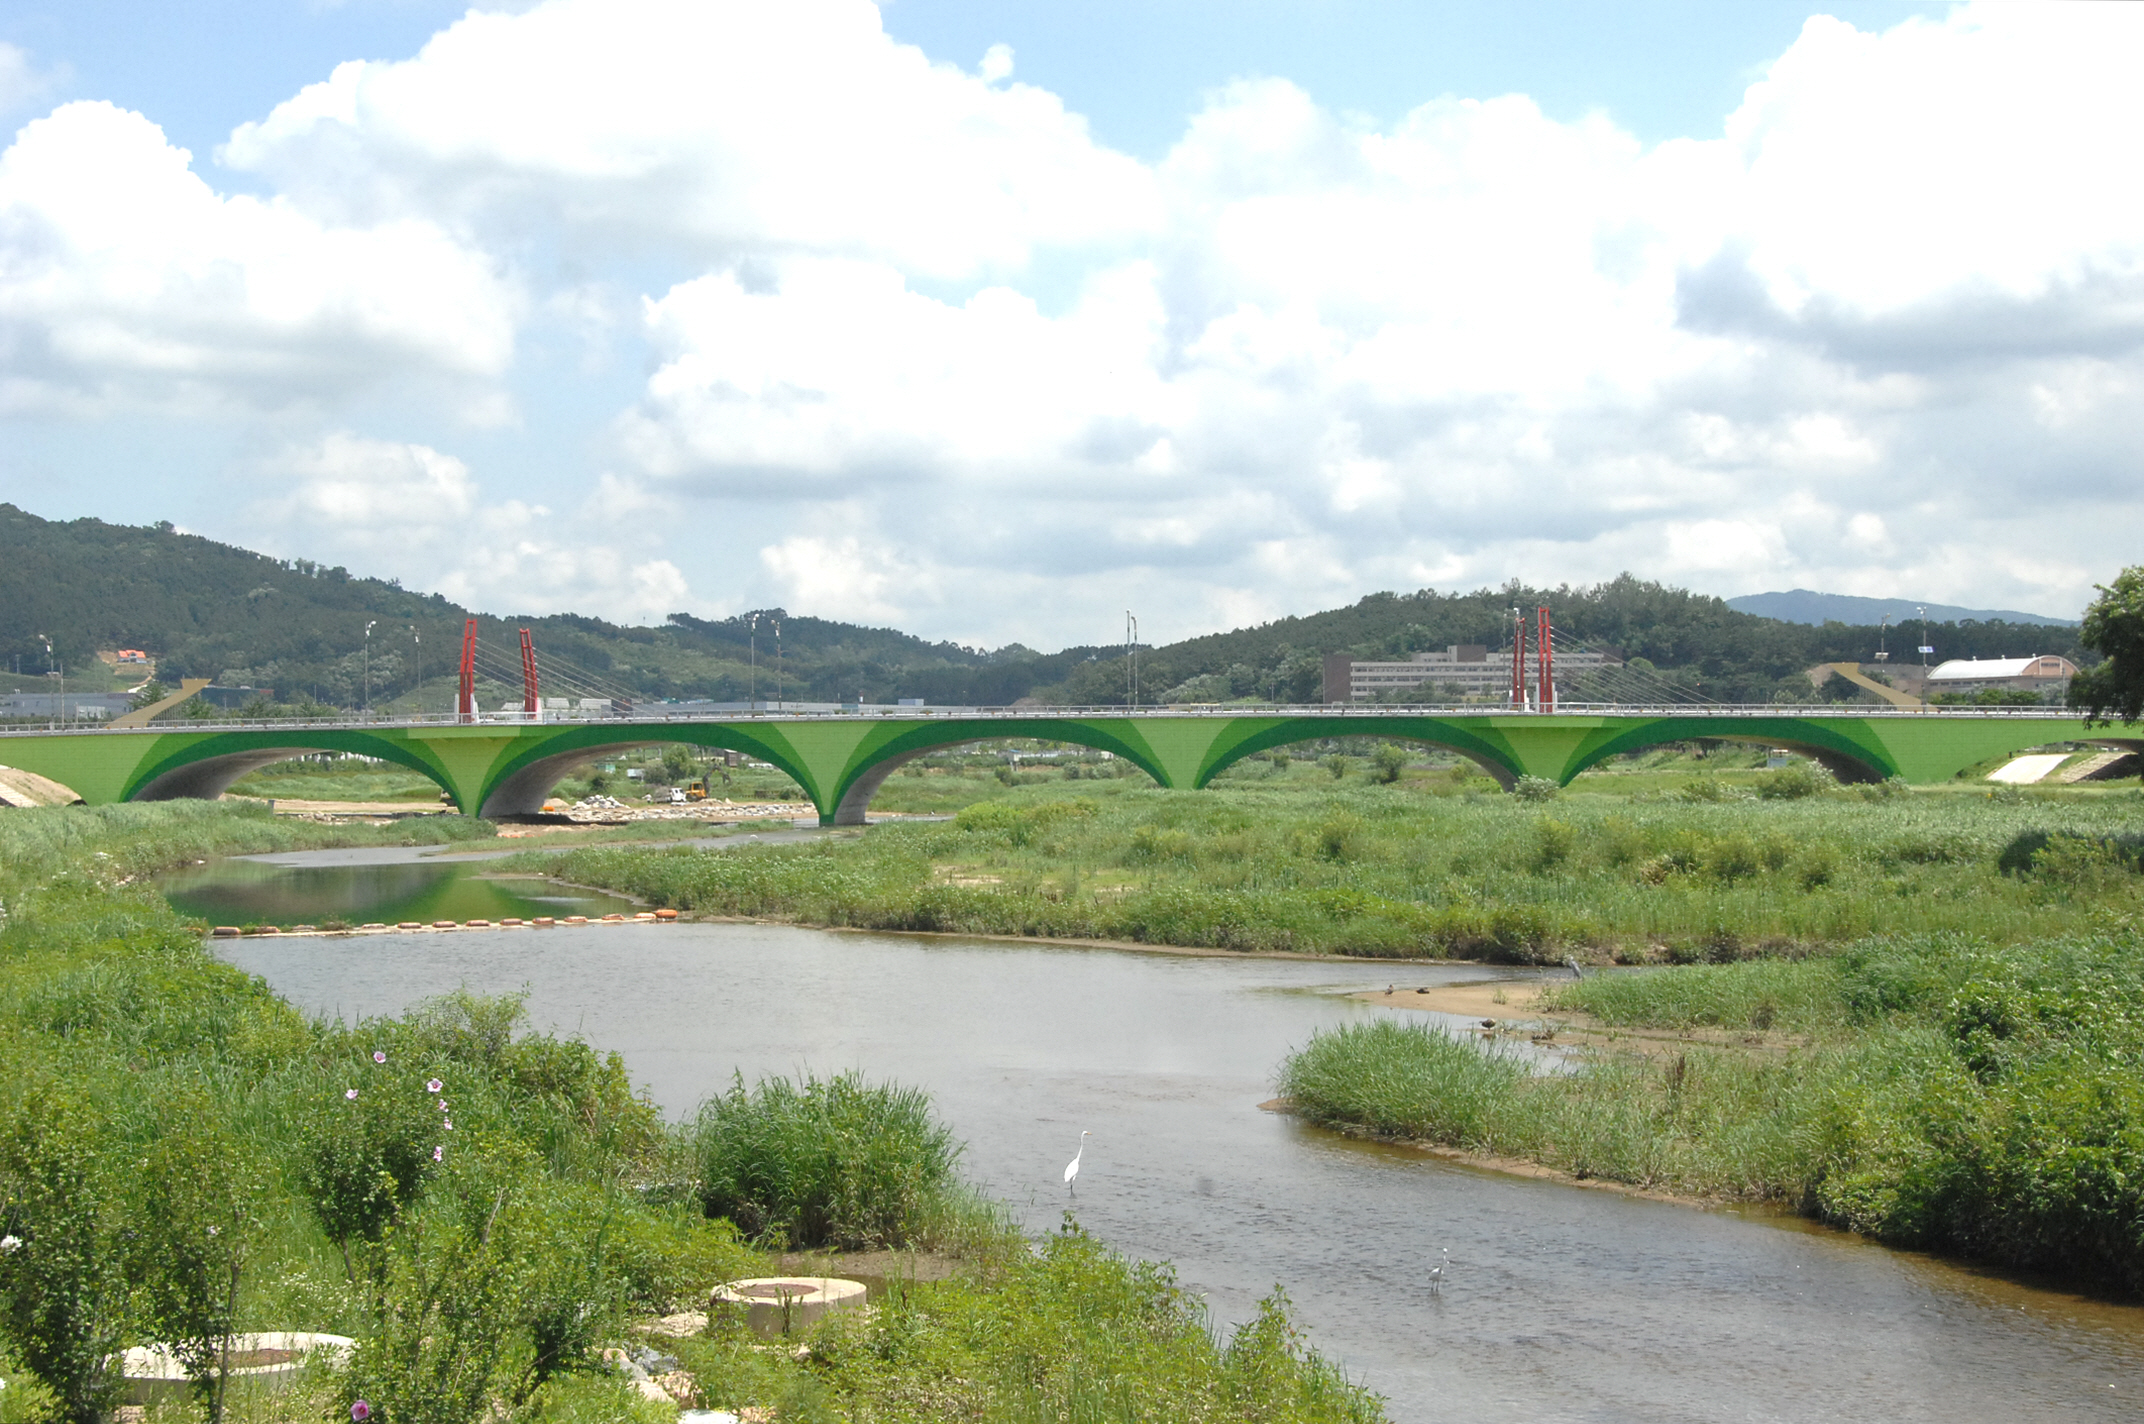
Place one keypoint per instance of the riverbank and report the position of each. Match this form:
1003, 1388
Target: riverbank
1932, 1092
1385, 872
483, 1209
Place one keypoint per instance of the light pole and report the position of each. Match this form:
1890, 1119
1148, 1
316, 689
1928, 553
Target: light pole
753, 641
777, 664
61, 714
368, 669
416, 657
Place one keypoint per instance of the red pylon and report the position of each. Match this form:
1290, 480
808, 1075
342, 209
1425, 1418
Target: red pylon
1518, 661
529, 702
466, 704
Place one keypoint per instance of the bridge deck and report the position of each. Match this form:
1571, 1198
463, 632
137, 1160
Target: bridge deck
504, 764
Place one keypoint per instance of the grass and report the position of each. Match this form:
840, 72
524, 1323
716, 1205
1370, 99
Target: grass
1287, 858
486, 1209
1938, 1091
825, 1163
124, 843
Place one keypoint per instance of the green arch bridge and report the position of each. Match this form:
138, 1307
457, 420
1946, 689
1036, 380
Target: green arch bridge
503, 768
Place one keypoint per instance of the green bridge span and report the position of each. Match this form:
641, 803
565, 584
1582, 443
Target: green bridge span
508, 768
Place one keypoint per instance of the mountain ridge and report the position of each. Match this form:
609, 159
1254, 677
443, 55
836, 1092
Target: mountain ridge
207, 609
1803, 605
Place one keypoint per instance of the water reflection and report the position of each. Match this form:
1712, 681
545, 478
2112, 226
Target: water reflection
241, 892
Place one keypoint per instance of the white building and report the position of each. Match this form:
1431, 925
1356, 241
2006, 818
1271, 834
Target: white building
1461, 670
2047, 673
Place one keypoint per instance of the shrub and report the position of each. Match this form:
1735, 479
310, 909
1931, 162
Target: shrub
1535, 788
1389, 761
1792, 783
824, 1162
66, 1280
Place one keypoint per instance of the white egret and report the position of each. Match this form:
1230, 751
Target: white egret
1436, 1272
1072, 1167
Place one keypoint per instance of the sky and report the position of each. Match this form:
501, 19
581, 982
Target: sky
991, 322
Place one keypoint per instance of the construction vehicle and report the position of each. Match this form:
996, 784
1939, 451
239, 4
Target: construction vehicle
696, 791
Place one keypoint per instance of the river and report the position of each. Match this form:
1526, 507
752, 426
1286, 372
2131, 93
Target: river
1561, 1303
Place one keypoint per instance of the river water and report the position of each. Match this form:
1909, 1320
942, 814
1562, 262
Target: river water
1560, 1303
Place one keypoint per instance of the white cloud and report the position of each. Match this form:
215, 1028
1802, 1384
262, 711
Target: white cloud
390, 508
920, 351
23, 84
713, 128
125, 279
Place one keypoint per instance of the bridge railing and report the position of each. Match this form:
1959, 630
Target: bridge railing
1339, 712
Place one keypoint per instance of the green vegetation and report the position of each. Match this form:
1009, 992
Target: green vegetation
2114, 626
1281, 856
1931, 1091
485, 1210
836, 1163
204, 609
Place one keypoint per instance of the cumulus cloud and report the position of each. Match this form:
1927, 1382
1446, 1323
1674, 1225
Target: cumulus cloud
713, 129
392, 508
922, 351
22, 83
125, 279
1828, 346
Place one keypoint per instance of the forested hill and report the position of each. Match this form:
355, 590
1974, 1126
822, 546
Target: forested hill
1711, 650
205, 609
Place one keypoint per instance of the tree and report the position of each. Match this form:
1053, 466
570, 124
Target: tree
2114, 626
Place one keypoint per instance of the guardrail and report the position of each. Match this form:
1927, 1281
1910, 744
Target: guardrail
1339, 712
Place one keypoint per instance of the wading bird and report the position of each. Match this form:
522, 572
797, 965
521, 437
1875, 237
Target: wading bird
1436, 1272
1572, 965
1072, 1167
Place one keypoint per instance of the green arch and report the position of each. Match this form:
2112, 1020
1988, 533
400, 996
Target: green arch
1842, 745
1247, 736
509, 780
192, 751
889, 744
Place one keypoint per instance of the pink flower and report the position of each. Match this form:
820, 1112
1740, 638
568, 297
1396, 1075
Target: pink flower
360, 1412
439, 1154
450, 1127
434, 1086
350, 1092
379, 1055
442, 1104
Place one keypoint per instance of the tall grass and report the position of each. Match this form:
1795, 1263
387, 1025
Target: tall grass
1952, 1094
826, 1162
1388, 871
118, 844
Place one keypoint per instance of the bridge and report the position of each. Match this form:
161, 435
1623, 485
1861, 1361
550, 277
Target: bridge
507, 766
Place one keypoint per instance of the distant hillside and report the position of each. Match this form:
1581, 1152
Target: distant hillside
1801, 605
205, 609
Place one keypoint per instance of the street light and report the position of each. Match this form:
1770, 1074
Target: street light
49, 667
368, 667
752, 686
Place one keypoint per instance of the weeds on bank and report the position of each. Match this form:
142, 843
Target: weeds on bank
1950, 1093
483, 1209
1383, 871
